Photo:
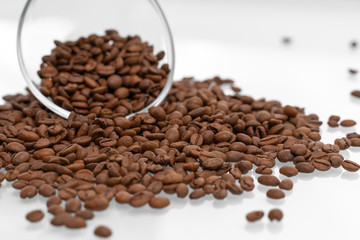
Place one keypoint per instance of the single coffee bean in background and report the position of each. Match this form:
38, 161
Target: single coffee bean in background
254, 216
353, 71
356, 93
35, 216
275, 194
350, 166
348, 123
102, 231
355, 142
275, 214
269, 180
286, 184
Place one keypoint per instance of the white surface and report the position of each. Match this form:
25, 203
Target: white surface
239, 40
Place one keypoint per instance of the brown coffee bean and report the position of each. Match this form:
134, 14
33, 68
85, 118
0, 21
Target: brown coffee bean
55, 209
114, 82
290, 111
347, 123
61, 219
72, 205
268, 180
75, 222
158, 113
321, 164
355, 142
288, 171
182, 190
53, 200
263, 170
275, 214
298, 149
254, 216
286, 184
356, 93
197, 193
275, 194
35, 216
247, 183
28, 136
85, 214
212, 163
350, 166
141, 198
102, 231
97, 203
285, 155
159, 202
28, 192
16, 147
47, 190
305, 167
123, 197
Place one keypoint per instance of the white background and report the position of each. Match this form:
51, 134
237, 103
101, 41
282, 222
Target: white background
239, 40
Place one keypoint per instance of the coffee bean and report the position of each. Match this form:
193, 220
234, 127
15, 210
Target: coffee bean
350, 166
28, 192
290, 111
347, 123
159, 202
197, 193
321, 164
72, 205
97, 203
275, 194
61, 219
141, 198
35, 216
286, 184
355, 142
268, 180
75, 222
16, 147
212, 163
356, 93
353, 71
182, 190
298, 149
254, 216
275, 214
102, 231
53, 200
305, 167
288, 171
55, 209
85, 214
123, 197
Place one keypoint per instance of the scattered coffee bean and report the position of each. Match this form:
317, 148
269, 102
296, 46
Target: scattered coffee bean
353, 71
288, 171
350, 166
268, 180
356, 93
35, 216
286, 184
347, 123
353, 44
275, 193
159, 202
275, 214
254, 216
102, 231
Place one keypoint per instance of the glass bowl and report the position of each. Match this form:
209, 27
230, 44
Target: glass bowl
43, 21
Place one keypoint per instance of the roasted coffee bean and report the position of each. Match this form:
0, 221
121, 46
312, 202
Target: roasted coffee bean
85, 214
288, 171
321, 164
254, 216
182, 190
72, 205
53, 200
97, 203
275, 193
46, 190
350, 166
123, 197
343, 143
28, 192
75, 222
263, 170
356, 93
286, 184
197, 193
35, 216
141, 198
159, 202
61, 218
298, 149
55, 209
268, 180
102, 231
347, 123
305, 167
275, 214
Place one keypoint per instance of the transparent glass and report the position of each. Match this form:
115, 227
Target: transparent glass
43, 21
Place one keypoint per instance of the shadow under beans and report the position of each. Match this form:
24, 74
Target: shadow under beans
345, 154
351, 176
306, 176
354, 149
333, 172
254, 227
275, 227
263, 188
276, 202
355, 100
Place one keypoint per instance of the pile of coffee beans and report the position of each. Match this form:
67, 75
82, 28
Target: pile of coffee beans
104, 75
199, 142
